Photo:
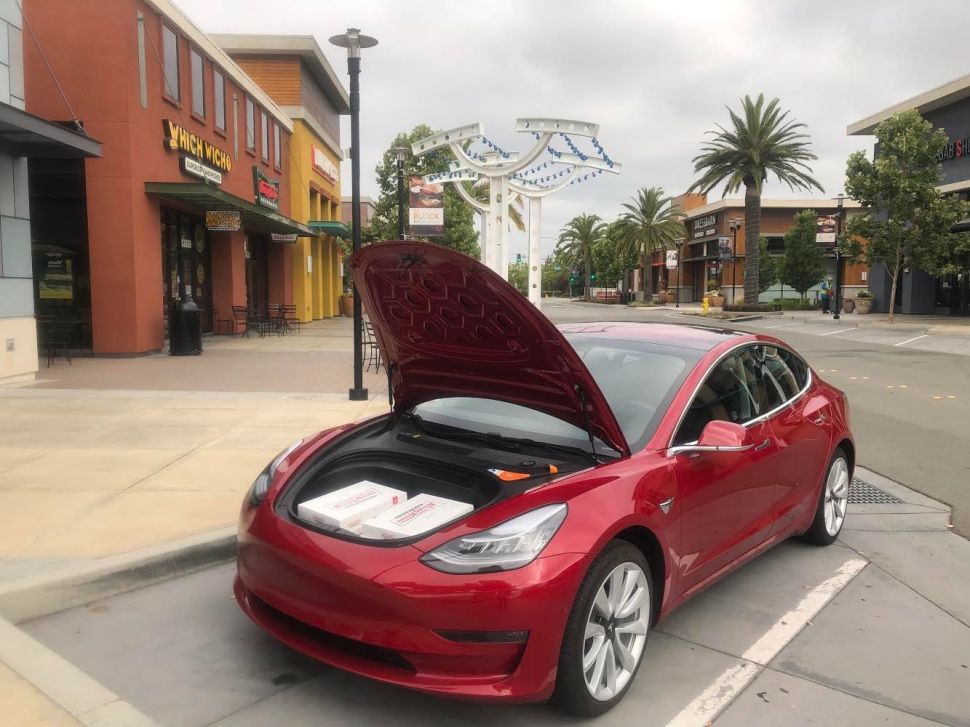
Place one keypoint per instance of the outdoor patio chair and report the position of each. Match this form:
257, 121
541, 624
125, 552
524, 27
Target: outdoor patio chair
222, 326
372, 354
59, 338
290, 320
240, 316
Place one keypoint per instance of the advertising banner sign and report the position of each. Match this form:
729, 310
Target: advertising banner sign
222, 220
825, 227
671, 259
56, 279
427, 213
200, 170
724, 248
286, 239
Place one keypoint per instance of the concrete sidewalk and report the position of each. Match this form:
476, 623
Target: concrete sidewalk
106, 456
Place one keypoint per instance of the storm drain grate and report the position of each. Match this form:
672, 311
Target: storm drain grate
862, 493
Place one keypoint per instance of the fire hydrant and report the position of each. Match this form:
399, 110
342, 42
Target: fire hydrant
705, 306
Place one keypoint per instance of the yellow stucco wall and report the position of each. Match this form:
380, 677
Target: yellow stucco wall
316, 285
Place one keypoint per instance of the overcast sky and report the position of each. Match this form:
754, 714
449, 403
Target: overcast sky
654, 75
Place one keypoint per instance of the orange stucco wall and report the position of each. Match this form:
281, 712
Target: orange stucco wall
92, 47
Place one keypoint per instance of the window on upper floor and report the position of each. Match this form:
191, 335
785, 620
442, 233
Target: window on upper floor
170, 62
250, 125
264, 121
198, 82
219, 99
277, 146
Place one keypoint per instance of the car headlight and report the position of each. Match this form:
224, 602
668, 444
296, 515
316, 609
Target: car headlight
259, 488
512, 544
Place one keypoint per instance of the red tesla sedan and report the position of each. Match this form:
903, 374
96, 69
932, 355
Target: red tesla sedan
613, 470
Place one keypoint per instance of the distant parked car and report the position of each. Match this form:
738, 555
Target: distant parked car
611, 470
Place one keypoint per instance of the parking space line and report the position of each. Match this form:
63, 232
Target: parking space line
787, 325
835, 333
706, 706
910, 340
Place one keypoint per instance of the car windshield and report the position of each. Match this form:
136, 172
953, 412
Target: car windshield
637, 378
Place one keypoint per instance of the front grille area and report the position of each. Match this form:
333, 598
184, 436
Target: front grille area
862, 493
377, 654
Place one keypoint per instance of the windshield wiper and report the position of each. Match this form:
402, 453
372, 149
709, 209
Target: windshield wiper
494, 438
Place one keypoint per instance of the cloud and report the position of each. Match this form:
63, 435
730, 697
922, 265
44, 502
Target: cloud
655, 76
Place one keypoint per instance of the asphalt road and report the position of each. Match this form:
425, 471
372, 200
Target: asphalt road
910, 404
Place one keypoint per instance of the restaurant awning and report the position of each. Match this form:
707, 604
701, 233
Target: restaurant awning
255, 218
330, 227
23, 134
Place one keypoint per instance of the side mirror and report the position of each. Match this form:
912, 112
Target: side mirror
717, 436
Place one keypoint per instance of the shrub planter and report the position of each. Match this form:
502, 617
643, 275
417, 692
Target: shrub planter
863, 305
347, 306
848, 305
716, 300
671, 297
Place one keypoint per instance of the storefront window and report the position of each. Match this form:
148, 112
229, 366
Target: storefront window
250, 124
264, 120
198, 85
219, 99
170, 51
277, 146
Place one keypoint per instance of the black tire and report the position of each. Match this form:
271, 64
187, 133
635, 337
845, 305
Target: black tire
571, 694
818, 534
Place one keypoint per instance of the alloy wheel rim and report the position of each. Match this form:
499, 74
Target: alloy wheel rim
836, 496
616, 631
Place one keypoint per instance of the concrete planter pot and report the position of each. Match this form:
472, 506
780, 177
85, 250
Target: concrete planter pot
863, 305
848, 305
671, 297
717, 301
347, 306
658, 299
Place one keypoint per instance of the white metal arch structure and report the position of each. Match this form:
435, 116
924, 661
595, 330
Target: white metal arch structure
502, 171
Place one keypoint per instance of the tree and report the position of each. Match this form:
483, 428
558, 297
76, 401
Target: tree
556, 271
909, 221
651, 222
577, 240
769, 271
804, 264
519, 276
761, 140
612, 258
460, 233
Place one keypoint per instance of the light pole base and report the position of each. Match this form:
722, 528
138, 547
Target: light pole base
358, 394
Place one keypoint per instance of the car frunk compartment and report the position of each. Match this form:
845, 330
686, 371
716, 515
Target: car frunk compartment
413, 475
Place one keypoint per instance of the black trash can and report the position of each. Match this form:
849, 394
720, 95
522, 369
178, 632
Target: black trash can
185, 329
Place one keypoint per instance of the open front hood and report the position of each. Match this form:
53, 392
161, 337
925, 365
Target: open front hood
449, 326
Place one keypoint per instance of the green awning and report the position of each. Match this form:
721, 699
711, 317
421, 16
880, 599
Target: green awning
330, 227
255, 218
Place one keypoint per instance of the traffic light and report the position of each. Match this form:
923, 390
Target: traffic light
518, 257
592, 277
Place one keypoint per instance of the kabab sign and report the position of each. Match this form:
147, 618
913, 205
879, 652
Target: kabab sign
199, 157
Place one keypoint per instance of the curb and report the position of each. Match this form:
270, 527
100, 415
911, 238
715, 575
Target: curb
35, 596
67, 686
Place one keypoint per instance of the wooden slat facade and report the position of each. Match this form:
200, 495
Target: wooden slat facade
278, 77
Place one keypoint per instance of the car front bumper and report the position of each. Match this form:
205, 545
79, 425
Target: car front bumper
378, 612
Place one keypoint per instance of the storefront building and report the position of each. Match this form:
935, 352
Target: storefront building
191, 198
25, 139
713, 253
293, 71
947, 107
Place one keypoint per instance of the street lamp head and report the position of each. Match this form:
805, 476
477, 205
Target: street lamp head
840, 199
353, 41
400, 152
734, 223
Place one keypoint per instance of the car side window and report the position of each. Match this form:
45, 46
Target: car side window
724, 395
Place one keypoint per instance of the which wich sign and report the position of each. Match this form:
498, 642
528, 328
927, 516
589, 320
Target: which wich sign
199, 158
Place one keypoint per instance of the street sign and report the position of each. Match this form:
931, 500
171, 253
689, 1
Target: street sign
671, 259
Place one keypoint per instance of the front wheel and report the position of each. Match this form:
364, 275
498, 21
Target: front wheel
606, 633
833, 502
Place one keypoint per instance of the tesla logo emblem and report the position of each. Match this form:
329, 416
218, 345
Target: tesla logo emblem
408, 260
665, 505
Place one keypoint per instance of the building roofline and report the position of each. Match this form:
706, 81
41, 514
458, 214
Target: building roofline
796, 204
174, 15
935, 98
303, 46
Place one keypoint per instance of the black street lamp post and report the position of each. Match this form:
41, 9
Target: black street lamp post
680, 244
840, 199
353, 41
400, 153
735, 225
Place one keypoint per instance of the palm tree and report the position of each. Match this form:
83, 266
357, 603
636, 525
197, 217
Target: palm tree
762, 140
577, 240
651, 222
516, 205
